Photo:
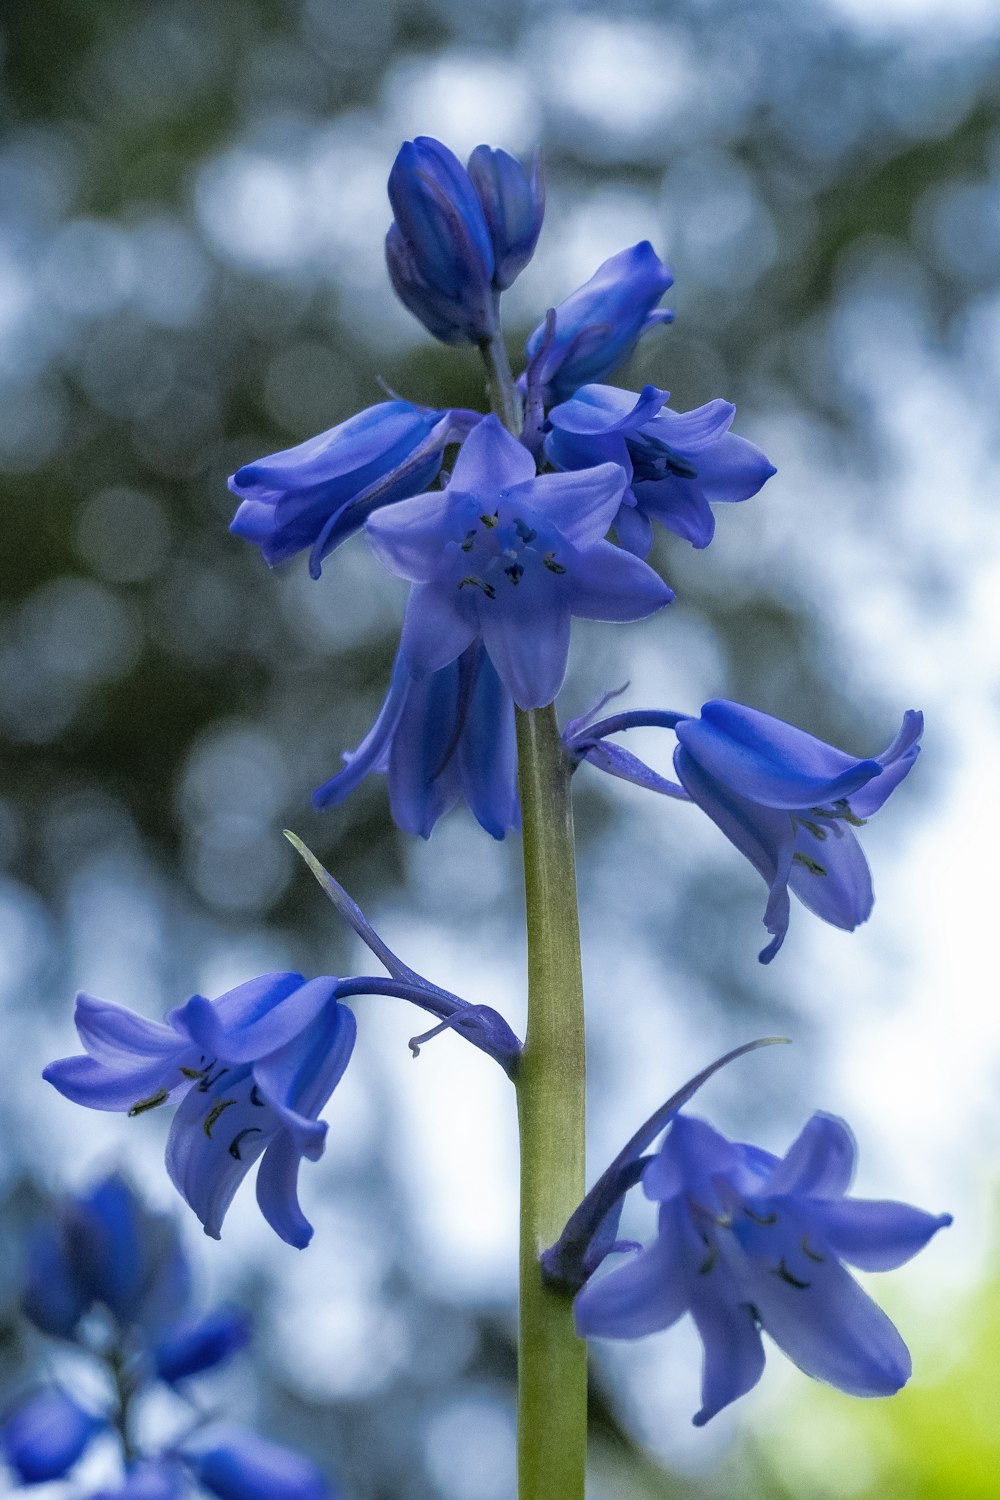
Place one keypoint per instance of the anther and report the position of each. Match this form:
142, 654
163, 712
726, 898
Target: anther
524, 531
762, 1219
255, 1097
515, 572
234, 1144
478, 583
812, 865
550, 562
218, 1108
807, 1249
141, 1105
489, 521
782, 1270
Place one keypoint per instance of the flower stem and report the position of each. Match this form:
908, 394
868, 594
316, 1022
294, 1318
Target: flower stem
552, 1361
504, 399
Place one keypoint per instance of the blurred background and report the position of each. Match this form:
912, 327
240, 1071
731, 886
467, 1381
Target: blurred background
192, 206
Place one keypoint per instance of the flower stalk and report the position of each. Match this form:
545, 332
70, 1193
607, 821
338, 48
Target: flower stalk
551, 1082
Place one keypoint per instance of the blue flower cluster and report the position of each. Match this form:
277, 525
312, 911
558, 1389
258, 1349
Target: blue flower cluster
500, 556
106, 1275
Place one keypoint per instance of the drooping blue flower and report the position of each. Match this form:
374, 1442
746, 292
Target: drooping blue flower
597, 326
440, 739
514, 203
321, 491
787, 800
45, 1436
237, 1465
105, 1247
439, 249
193, 1345
748, 1241
508, 557
680, 463
790, 803
251, 1072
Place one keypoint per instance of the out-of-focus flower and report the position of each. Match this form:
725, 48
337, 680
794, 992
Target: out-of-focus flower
104, 1247
440, 739
439, 249
238, 1465
790, 803
749, 1241
43, 1438
598, 325
508, 557
680, 463
193, 1345
252, 1070
514, 204
321, 491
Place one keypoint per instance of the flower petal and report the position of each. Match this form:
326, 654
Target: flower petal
487, 754
119, 1037
409, 538
877, 1234
490, 462
580, 503
96, 1086
769, 761
896, 762
277, 1191
257, 1017
373, 751
600, 409
612, 584
437, 627
215, 1138
831, 1329
819, 1163
530, 649
843, 895
734, 1353
423, 777
680, 505
634, 530
637, 1296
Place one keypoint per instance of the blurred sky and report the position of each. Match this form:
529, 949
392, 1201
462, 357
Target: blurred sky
192, 204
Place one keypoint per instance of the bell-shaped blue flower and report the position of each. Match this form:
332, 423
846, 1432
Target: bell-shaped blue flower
321, 491
43, 1438
251, 1072
105, 1247
195, 1344
509, 557
440, 739
790, 803
597, 326
513, 202
748, 1241
439, 249
239, 1465
680, 463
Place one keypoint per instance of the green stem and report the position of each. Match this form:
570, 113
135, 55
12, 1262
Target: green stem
551, 1084
552, 1361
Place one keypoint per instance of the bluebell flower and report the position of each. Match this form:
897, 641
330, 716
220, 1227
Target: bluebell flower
749, 1241
598, 325
508, 557
44, 1437
104, 1247
790, 803
439, 249
250, 1071
192, 1345
513, 203
238, 1465
321, 491
443, 738
679, 463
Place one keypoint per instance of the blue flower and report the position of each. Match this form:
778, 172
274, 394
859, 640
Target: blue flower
513, 204
104, 1247
439, 249
509, 557
748, 1241
239, 1465
321, 491
790, 803
680, 463
251, 1072
195, 1344
44, 1437
440, 739
598, 326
